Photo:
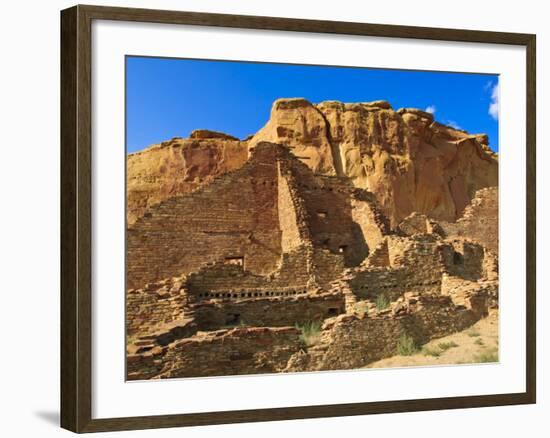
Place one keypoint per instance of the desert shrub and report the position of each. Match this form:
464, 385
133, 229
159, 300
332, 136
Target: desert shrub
382, 302
427, 351
487, 357
473, 333
311, 331
406, 346
479, 341
446, 345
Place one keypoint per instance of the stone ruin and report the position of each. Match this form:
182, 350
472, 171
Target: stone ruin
222, 275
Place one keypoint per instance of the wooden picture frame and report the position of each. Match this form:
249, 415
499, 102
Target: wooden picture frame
76, 218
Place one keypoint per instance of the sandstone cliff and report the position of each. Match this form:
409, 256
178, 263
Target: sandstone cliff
409, 161
177, 167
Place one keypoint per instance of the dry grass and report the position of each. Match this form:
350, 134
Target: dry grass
311, 332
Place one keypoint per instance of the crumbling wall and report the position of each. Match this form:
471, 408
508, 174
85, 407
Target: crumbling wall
380, 256
466, 260
226, 352
415, 223
479, 221
353, 341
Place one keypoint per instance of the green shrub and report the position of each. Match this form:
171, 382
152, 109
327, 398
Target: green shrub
473, 333
446, 345
479, 341
382, 302
311, 331
406, 346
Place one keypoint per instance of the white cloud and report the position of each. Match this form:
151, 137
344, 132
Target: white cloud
493, 106
431, 109
453, 124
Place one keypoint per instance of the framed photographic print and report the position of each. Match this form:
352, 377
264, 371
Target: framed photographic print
268, 218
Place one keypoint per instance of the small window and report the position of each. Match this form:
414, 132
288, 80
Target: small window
322, 214
342, 249
239, 261
232, 319
333, 311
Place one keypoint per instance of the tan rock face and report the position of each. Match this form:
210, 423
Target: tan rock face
410, 162
297, 124
206, 133
177, 167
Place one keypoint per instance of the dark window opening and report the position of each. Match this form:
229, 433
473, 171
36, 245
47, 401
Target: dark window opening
332, 311
458, 259
232, 318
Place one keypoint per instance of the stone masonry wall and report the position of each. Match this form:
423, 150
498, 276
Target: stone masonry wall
466, 260
271, 309
393, 282
234, 216
353, 341
329, 217
157, 304
479, 221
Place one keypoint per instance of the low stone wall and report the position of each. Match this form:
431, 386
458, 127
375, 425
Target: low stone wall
345, 342
225, 352
353, 341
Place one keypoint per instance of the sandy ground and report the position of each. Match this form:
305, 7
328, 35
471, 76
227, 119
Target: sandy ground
476, 344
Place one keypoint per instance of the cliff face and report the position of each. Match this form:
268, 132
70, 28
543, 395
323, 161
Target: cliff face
177, 167
410, 162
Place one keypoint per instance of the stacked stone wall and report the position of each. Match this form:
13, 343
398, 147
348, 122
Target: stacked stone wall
157, 304
479, 221
269, 309
353, 341
234, 216
466, 260
225, 352
393, 282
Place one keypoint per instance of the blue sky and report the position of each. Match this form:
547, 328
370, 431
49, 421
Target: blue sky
168, 98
